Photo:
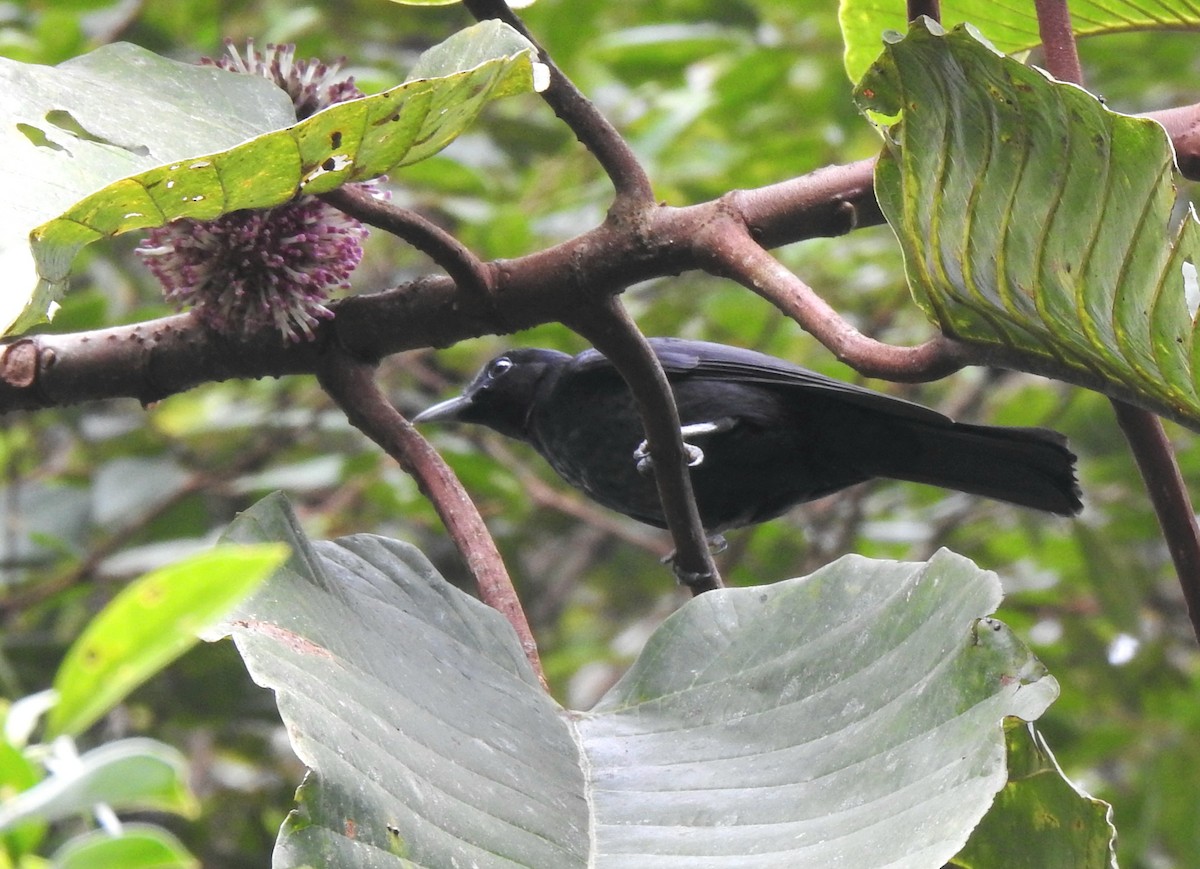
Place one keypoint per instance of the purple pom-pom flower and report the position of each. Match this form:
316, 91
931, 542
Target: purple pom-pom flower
253, 269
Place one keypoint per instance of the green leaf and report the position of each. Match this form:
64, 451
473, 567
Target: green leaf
853, 718
137, 846
148, 625
351, 141
658, 50
1040, 818
1032, 217
17, 774
137, 774
1011, 27
74, 128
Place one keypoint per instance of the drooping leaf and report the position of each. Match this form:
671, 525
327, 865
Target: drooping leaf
149, 624
1032, 217
853, 718
1040, 818
140, 774
350, 141
1011, 27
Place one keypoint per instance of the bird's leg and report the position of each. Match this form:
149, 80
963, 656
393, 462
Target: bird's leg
645, 464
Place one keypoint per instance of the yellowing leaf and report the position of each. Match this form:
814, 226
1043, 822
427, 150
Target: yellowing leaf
350, 141
150, 624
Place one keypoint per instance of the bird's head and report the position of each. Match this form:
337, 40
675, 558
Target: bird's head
502, 393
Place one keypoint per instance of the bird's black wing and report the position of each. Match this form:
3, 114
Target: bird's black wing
683, 358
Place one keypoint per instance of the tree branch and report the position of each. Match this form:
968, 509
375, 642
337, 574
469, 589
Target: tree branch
352, 385
734, 254
609, 328
833, 200
459, 262
610, 149
929, 8
1168, 493
152, 360
1183, 126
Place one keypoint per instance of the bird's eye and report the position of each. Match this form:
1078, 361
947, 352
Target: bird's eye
498, 367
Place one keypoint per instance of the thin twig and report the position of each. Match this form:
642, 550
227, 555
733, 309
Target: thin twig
464, 268
352, 385
597, 134
928, 8
734, 254
610, 329
1168, 493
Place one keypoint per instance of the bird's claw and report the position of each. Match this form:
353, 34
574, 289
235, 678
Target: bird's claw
642, 460
645, 464
695, 455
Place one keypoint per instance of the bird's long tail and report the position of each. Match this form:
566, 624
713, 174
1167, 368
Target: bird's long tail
1031, 467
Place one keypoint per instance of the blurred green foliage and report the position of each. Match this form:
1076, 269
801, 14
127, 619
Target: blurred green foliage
713, 96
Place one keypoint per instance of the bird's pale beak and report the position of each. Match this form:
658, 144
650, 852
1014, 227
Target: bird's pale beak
444, 411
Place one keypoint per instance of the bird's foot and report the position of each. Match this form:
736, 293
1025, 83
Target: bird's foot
716, 545
645, 464
691, 580
695, 455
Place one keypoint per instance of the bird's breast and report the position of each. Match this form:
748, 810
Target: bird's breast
590, 443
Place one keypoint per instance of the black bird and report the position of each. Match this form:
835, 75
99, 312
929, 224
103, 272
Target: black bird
764, 434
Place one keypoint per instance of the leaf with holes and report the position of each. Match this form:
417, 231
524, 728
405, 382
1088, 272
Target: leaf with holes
178, 154
70, 130
1033, 218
